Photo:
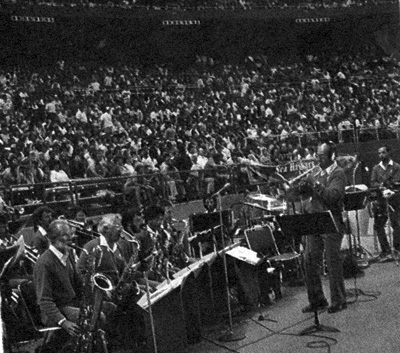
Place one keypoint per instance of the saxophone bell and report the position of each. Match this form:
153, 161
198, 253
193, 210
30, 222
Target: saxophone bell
102, 282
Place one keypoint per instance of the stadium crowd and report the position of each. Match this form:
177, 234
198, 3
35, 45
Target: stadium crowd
75, 121
205, 4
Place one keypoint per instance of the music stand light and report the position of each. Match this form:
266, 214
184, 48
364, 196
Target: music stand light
312, 224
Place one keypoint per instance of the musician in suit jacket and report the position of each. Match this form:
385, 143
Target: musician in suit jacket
328, 192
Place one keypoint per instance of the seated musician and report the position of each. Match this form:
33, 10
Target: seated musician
178, 250
41, 219
152, 247
132, 222
58, 284
61, 289
111, 262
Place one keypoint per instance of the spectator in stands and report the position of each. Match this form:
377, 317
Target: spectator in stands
25, 172
176, 189
106, 121
182, 162
215, 173
58, 175
77, 166
11, 175
96, 168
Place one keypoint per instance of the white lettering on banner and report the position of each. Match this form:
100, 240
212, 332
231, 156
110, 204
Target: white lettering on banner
181, 23
313, 20
295, 166
32, 19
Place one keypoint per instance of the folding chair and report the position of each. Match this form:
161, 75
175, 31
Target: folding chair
32, 310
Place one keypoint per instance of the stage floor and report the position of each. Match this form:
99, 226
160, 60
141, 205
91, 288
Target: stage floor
370, 324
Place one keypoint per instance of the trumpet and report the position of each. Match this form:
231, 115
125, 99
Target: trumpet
80, 227
305, 174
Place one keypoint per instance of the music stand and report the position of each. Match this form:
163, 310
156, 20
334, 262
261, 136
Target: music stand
312, 224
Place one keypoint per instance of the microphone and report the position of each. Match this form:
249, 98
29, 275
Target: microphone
227, 185
76, 247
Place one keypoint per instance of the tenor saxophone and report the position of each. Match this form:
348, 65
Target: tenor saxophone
95, 287
126, 276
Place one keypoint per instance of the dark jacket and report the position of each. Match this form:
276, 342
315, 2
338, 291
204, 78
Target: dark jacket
56, 286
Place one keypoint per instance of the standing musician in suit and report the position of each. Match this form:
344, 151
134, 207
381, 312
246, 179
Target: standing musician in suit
383, 176
328, 192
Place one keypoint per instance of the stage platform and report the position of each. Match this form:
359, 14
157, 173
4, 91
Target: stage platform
368, 325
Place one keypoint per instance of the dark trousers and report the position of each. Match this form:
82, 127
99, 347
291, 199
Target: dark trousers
315, 246
379, 227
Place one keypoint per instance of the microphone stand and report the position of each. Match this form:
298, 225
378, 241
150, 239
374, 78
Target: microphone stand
230, 335
153, 330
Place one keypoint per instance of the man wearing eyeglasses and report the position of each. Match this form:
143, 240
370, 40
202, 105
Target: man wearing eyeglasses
109, 259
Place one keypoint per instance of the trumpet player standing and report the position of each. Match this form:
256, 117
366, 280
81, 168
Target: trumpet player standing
328, 191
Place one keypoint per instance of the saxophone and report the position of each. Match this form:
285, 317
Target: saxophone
95, 286
126, 281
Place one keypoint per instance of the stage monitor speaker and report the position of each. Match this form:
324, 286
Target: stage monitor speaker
169, 324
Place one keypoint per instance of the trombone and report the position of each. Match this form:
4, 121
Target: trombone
30, 253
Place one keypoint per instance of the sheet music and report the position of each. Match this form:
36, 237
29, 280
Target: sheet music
246, 255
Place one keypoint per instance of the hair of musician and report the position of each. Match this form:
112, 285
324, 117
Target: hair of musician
54, 230
152, 212
331, 151
37, 216
109, 220
386, 147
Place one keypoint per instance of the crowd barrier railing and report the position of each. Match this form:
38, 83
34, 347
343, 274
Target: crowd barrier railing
104, 194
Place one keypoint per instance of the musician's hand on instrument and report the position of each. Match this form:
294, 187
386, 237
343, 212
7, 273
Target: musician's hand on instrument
310, 179
71, 327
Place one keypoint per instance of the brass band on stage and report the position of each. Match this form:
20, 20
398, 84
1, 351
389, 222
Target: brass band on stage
177, 244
